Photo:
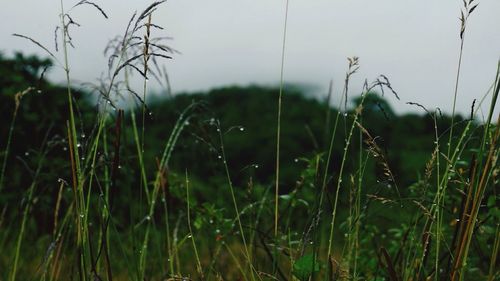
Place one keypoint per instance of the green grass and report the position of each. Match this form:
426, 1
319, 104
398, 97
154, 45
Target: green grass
345, 216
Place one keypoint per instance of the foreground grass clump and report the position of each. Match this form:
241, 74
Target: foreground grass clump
187, 188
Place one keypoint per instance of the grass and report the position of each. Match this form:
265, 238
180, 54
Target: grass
255, 235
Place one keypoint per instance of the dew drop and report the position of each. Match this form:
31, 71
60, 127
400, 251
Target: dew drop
242, 129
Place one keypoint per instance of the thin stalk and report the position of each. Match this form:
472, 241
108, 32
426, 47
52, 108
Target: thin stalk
167, 152
353, 66
238, 265
235, 205
278, 129
455, 94
357, 226
191, 236
170, 258
494, 254
72, 135
439, 195
29, 199
11, 131
341, 171
140, 154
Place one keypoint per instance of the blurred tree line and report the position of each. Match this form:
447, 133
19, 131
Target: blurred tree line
244, 118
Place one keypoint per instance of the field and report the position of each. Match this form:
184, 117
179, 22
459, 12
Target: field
107, 182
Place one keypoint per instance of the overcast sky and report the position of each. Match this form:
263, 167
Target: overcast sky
413, 42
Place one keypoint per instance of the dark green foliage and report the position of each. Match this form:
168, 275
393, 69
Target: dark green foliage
305, 266
244, 118
39, 126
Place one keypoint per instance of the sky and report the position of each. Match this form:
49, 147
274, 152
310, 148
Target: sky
415, 43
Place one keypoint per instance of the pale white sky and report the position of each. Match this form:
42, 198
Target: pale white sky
414, 42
